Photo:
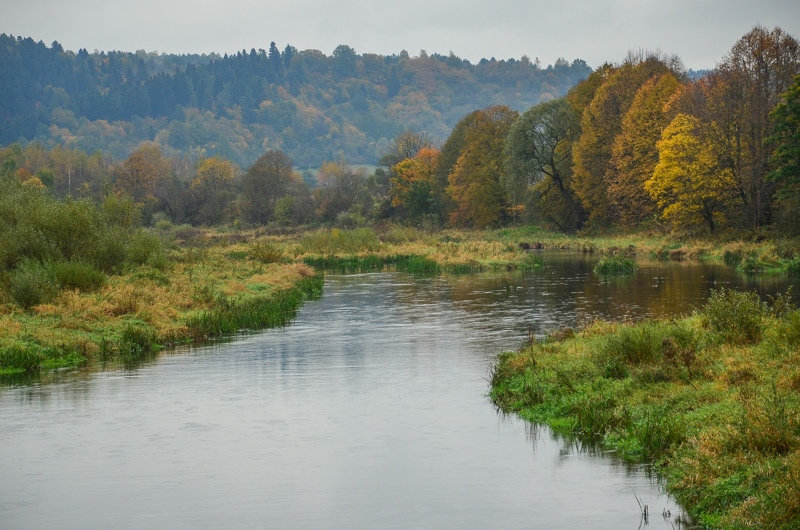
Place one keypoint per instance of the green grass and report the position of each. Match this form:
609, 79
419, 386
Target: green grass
615, 266
278, 309
713, 400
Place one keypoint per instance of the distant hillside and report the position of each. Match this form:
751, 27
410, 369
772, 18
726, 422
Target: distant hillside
313, 106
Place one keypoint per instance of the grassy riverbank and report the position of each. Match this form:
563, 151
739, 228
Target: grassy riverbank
746, 252
191, 284
207, 283
713, 399
195, 294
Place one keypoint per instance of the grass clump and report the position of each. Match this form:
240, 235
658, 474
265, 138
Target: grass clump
78, 275
230, 316
615, 266
337, 241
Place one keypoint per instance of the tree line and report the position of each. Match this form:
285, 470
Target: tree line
634, 144
310, 105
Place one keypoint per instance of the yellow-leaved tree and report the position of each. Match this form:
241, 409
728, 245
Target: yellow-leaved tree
688, 184
635, 154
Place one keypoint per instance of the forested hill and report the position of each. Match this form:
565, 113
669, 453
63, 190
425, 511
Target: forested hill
313, 106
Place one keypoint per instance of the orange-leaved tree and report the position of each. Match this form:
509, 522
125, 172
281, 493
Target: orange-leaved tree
414, 182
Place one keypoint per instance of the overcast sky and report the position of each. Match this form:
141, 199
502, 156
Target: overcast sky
699, 31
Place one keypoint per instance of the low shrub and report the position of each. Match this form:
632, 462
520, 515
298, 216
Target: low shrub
77, 275
265, 252
145, 248
21, 356
732, 257
738, 317
417, 265
32, 283
136, 339
337, 241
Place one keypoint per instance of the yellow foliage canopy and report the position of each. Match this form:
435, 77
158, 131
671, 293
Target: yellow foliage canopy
688, 184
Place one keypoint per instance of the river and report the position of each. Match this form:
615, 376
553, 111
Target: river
368, 411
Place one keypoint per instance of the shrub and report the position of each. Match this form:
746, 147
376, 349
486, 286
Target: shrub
266, 252
738, 317
794, 268
77, 275
32, 283
145, 248
789, 329
615, 265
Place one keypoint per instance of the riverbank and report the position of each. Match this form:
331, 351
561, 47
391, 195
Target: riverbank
711, 399
197, 293
212, 283
747, 253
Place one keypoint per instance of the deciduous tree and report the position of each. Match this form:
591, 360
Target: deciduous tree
538, 154
477, 180
688, 184
635, 154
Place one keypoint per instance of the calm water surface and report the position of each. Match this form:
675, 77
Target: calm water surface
369, 411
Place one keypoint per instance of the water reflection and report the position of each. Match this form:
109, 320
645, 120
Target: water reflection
368, 411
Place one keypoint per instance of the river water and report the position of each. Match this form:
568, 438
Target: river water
369, 411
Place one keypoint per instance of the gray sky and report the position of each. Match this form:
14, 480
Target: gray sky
700, 31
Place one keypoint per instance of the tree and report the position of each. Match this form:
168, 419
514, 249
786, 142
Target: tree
785, 138
476, 183
635, 154
341, 188
413, 183
393, 83
267, 180
538, 153
404, 146
688, 184
143, 174
212, 190
602, 122
344, 60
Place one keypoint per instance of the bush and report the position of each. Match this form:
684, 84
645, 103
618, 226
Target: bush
615, 265
77, 275
266, 253
794, 268
789, 329
738, 317
145, 248
32, 283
